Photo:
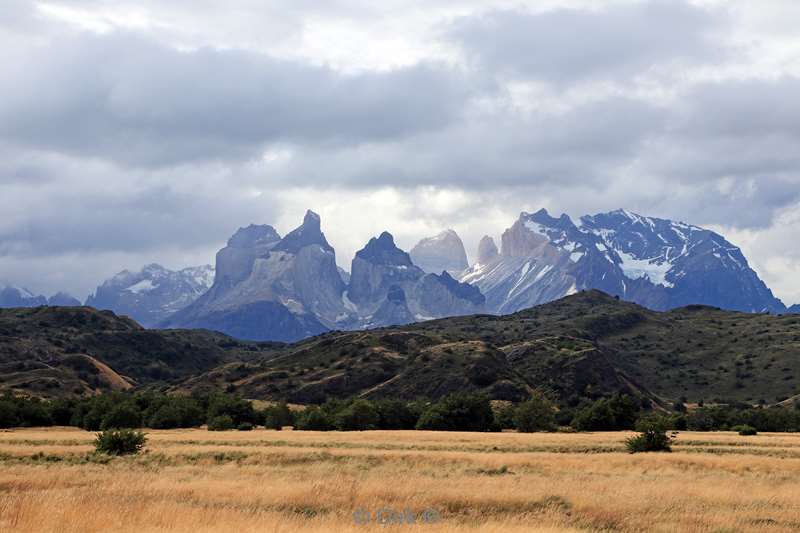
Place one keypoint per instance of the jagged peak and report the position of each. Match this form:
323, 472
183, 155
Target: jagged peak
253, 235
487, 249
312, 219
382, 250
307, 234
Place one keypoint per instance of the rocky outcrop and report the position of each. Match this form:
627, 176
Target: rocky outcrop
487, 250
442, 253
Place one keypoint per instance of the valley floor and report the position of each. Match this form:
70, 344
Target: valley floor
198, 481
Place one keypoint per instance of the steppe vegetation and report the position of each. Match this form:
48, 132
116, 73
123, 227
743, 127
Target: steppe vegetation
264, 480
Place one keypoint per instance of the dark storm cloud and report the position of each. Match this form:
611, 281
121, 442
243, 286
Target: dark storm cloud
566, 45
122, 98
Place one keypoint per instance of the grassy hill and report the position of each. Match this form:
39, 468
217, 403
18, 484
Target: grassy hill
62, 351
585, 345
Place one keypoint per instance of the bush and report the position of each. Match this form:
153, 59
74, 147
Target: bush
120, 441
8, 414
608, 414
314, 419
358, 416
652, 438
245, 426
536, 414
458, 412
220, 423
239, 409
396, 414
744, 429
277, 416
125, 415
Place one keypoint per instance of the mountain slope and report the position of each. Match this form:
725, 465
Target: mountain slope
584, 345
63, 351
658, 263
152, 294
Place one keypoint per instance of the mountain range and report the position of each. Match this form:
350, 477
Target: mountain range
265, 286
152, 294
269, 287
658, 263
11, 296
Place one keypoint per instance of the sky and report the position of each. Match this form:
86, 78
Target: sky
145, 131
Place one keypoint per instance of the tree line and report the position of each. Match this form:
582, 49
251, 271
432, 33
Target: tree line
457, 412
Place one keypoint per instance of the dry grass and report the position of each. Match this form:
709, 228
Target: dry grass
194, 480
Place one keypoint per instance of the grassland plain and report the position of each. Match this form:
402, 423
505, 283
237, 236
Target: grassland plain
264, 480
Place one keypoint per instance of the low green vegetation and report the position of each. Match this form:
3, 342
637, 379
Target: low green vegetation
119, 442
652, 436
455, 412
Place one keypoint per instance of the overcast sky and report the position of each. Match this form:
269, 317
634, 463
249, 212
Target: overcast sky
148, 131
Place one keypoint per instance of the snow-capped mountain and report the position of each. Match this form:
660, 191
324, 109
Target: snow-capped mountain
441, 253
655, 262
153, 293
11, 296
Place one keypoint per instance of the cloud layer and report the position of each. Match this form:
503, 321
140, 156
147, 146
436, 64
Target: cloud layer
133, 132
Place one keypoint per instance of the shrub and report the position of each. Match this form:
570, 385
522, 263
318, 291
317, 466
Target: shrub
652, 437
314, 419
220, 423
358, 416
125, 415
504, 416
396, 414
458, 412
277, 416
536, 414
119, 441
8, 414
245, 426
239, 409
744, 429
608, 414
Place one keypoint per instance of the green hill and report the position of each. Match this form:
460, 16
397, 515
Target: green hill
582, 346
62, 351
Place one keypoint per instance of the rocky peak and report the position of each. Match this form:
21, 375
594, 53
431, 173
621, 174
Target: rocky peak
63, 299
253, 235
307, 234
443, 252
487, 250
383, 251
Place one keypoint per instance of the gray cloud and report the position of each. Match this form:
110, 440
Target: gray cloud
134, 142
126, 99
572, 44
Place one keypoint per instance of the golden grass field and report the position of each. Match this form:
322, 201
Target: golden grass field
197, 481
